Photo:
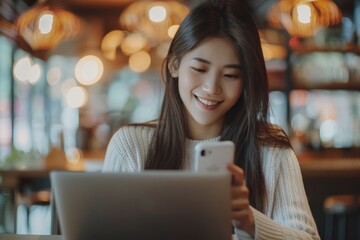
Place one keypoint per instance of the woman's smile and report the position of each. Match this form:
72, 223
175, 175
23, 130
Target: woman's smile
207, 103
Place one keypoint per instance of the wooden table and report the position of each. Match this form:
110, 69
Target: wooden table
321, 179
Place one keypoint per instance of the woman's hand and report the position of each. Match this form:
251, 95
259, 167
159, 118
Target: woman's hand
242, 215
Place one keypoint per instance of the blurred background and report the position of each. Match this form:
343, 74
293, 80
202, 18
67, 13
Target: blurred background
73, 71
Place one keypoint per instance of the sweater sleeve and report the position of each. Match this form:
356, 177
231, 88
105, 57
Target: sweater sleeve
127, 149
289, 215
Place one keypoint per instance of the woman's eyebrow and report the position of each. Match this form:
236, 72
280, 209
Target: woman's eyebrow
201, 60
237, 66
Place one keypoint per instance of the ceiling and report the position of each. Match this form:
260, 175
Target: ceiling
110, 3
103, 15
12, 8
97, 3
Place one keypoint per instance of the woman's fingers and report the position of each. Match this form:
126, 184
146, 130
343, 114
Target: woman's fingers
241, 213
238, 174
239, 204
239, 191
241, 216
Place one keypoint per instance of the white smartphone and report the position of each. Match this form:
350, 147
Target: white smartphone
213, 156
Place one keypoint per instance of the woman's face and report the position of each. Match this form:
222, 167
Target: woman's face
209, 85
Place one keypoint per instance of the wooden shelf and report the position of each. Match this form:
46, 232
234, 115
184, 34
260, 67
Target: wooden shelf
307, 50
300, 79
352, 86
329, 154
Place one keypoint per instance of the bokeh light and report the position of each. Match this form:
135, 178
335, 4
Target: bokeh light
140, 61
76, 97
157, 13
89, 69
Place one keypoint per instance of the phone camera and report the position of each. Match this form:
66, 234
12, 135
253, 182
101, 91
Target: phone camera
202, 153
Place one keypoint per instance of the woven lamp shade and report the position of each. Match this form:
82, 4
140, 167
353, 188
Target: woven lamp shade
44, 26
303, 18
135, 18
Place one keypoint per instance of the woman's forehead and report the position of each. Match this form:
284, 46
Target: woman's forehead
215, 49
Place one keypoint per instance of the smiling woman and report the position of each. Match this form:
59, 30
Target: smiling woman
216, 88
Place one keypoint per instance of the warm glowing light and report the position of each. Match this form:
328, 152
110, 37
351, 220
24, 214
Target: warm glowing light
304, 13
89, 70
140, 61
22, 68
73, 155
157, 14
111, 42
53, 76
76, 97
304, 18
25, 70
133, 43
172, 31
46, 23
153, 19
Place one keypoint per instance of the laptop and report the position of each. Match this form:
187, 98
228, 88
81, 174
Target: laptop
152, 205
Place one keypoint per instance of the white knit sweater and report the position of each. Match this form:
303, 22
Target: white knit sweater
286, 215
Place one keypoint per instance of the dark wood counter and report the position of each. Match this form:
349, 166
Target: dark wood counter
331, 167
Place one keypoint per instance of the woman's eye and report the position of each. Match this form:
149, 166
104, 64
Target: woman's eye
231, 76
198, 69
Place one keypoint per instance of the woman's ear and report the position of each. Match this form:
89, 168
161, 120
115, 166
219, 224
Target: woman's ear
173, 68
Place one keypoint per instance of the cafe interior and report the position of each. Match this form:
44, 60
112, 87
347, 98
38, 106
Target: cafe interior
72, 72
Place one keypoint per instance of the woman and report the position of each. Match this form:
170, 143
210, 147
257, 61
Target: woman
216, 89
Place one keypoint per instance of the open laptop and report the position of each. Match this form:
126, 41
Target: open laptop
153, 205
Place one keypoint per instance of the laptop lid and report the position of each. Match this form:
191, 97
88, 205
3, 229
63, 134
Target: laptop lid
150, 205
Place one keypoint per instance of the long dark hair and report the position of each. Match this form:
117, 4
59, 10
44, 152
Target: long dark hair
246, 123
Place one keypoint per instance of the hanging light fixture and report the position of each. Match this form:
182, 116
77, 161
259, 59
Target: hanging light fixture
44, 26
153, 19
303, 18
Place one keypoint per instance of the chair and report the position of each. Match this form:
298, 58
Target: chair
342, 219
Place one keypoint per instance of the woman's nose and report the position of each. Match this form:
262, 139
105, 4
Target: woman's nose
211, 86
